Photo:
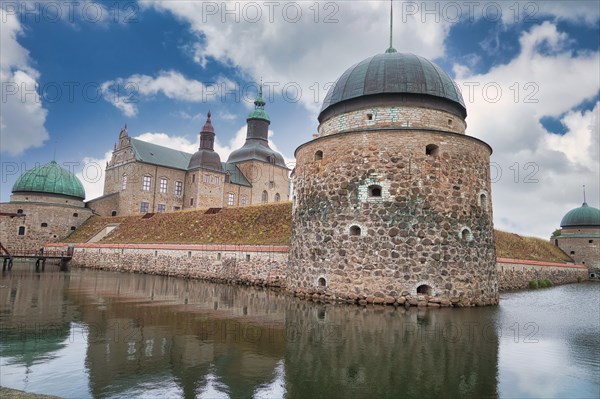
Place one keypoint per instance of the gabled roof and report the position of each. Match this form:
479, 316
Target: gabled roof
159, 155
235, 174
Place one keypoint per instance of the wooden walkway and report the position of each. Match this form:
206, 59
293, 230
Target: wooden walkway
40, 257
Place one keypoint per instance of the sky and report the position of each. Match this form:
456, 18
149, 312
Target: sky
73, 73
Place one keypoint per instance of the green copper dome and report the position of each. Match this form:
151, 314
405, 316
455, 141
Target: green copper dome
49, 179
394, 73
583, 216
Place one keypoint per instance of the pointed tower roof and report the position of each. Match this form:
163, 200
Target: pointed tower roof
206, 157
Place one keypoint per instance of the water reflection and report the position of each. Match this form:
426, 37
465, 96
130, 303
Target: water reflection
125, 335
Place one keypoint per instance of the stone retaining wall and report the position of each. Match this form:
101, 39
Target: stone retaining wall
267, 266
239, 264
515, 274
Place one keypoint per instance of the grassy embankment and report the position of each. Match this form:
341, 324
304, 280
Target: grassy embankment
260, 225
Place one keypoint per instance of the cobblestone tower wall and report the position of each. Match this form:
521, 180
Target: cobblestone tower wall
384, 209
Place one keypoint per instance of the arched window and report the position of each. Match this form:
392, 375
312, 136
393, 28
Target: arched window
265, 197
375, 191
431, 149
322, 282
75, 215
19, 211
354, 230
277, 197
21, 230
424, 289
466, 234
124, 182
113, 213
318, 155
483, 201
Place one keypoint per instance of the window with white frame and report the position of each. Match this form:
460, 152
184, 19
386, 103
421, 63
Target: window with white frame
243, 200
230, 199
146, 183
178, 188
144, 206
124, 182
162, 208
265, 197
163, 185
217, 180
207, 179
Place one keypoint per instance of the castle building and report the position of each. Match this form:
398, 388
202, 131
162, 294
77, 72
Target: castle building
579, 236
145, 178
45, 206
391, 197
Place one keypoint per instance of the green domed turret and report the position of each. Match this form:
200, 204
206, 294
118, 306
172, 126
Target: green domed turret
49, 179
583, 216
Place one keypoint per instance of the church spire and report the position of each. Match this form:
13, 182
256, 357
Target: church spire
259, 107
391, 49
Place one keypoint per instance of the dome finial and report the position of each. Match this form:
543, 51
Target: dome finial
584, 201
391, 49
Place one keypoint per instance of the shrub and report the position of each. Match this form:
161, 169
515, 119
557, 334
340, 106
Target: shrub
533, 284
579, 279
545, 283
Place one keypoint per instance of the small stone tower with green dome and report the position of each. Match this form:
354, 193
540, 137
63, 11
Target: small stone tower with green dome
579, 236
46, 205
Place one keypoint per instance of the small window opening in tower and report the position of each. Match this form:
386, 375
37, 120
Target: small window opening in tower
322, 282
369, 117
113, 213
75, 215
591, 241
318, 155
424, 289
556, 242
44, 224
19, 211
374, 191
21, 230
466, 235
73, 228
572, 252
449, 122
354, 230
432, 149
483, 201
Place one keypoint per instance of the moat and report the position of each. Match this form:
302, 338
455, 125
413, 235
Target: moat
86, 333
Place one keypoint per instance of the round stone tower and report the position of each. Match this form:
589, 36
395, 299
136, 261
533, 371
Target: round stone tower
392, 199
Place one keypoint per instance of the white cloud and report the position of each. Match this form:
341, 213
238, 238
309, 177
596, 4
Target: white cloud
541, 172
126, 93
293, 54
19, 99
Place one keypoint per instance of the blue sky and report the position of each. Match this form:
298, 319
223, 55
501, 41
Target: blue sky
529, 72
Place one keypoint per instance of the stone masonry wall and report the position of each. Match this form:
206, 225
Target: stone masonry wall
398, 117
581, 244
516, 274
43, 223
266, 177
253, 265
431, 226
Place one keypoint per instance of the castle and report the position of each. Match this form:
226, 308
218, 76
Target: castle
146, 178
391, 197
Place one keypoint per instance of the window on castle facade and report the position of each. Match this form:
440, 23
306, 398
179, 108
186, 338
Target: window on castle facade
146, 183
230, 199
163, 185
124, 182
162, 208
217, 180
178, 188
265, 197
207, 179
21, 230
243, 200
193, 178
191, 202
144, 206
277, 197
176, 208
